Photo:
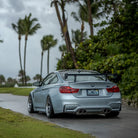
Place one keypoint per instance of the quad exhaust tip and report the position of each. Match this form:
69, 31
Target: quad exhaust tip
107, 111
83, 111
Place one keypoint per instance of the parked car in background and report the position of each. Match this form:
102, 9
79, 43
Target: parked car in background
75, 91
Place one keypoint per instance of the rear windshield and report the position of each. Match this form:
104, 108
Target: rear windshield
91, 78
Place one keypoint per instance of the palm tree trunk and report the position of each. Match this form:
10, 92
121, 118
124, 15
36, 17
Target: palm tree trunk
64, 28
25, 59
72, 51
20, 56
114, 8
41, 66
48, 62
61, 23
90, 17
82, 29
67, 36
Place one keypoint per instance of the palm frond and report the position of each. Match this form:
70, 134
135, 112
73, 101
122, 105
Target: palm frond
14, 26
18, 28
47, 42
29, 25
34, 29
54, 1
74, 15
63, 48
1, 41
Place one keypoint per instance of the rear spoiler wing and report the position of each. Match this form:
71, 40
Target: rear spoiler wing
75, 75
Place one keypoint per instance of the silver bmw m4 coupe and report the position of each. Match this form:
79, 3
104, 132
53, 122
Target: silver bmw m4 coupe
75, 91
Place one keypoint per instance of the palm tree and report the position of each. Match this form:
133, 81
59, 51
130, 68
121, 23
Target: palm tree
63, 49
11, 81
90, 17
30, 28
44, 48
80, 20
89, 10
78, 37
64, 25
1, 41
2, 79
37, 77
48, 41
21, 75
18, 28
28, 78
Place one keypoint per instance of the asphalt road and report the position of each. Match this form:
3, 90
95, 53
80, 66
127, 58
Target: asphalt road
124, 126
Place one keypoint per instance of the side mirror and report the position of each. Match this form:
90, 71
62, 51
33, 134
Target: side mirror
38, 83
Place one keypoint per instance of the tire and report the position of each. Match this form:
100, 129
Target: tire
30, 105
112, 114
49, 108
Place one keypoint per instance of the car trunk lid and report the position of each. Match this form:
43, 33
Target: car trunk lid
92, 89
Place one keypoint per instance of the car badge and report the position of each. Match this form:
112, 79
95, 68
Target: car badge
92, 85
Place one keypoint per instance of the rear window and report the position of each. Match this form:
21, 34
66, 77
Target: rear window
91, 78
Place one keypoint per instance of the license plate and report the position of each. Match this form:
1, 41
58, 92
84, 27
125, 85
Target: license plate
92, 92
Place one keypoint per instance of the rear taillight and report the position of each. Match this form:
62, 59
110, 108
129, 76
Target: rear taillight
67, 89
113, 89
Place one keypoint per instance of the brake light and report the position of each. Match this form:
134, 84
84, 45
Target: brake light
67, 89
113, 89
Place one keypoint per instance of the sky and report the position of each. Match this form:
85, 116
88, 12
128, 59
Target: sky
10, 12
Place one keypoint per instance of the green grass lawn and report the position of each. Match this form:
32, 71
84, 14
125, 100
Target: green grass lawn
16, 91
15, 125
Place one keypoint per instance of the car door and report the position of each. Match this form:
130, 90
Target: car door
41, 93
47, 88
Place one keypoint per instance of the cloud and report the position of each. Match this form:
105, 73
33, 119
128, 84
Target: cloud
17, 5
10, 12
1, 4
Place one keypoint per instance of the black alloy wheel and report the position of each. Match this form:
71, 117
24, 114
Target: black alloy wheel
30, 105
49, 108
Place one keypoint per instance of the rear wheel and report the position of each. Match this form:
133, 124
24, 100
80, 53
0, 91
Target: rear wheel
30, 104
112, 114
49, 108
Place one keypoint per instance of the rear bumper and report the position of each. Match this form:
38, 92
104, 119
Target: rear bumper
91, 105
92, 109
70, 104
